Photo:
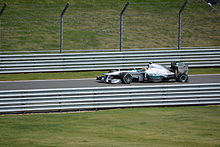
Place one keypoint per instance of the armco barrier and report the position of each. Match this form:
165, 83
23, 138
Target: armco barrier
24, 63
20, 101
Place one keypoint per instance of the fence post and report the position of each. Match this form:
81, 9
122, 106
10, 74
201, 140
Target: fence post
180, 24
3, 8
61, 27
121, 25
1, 12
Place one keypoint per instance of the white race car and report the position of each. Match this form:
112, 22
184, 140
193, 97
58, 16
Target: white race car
152, 73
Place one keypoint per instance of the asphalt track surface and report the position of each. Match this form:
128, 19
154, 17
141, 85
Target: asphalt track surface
80, 83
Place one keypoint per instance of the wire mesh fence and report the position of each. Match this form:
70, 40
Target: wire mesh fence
29, 27
95, 25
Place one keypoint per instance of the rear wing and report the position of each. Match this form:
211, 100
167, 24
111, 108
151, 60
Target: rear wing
180, 67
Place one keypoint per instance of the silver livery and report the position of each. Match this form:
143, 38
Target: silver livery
151, 73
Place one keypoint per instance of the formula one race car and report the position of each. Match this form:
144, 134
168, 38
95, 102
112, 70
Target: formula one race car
152, 73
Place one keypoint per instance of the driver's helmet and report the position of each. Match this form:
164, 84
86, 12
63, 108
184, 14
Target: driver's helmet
149, 64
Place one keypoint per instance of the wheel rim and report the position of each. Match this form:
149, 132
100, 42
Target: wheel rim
183, 78
127, 79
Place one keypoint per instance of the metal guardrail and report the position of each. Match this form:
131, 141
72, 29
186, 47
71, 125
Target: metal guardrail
20, 101
24, 63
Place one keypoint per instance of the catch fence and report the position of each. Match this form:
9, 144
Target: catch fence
89, 25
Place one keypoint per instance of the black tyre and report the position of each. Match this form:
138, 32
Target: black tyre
183, 78
126, 78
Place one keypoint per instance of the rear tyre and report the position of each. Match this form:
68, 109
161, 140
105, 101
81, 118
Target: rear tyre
183, 78
126, 78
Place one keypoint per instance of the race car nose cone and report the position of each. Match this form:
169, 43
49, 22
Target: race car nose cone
98, 78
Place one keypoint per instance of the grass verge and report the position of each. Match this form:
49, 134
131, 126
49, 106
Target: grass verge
164, 126
48, 76
79, 75
204, 71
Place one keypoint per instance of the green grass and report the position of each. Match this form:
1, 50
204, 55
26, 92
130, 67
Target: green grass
28, 25
165, 126
79, 75
204, 71
46, 76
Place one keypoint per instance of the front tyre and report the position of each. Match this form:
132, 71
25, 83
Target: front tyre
183, 78
126, 78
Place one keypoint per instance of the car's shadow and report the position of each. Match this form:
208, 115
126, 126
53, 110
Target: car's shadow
143, 83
